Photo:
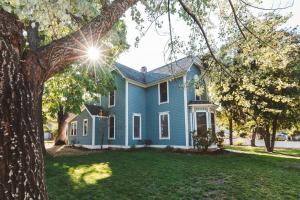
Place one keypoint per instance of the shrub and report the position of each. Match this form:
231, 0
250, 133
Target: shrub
147, 142
239, 143
220, 139
204, 139
169, 148
243, 134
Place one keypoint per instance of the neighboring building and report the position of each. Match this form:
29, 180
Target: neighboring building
161, 106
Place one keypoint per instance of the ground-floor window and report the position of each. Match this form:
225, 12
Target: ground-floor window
111, 127
136, 124
164, 125
73, 128
85, 127
201, 122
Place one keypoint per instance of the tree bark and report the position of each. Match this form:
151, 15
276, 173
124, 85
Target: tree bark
230, 120
21, 158
22, 76
40, 120
273, 136
62, 118
253, 137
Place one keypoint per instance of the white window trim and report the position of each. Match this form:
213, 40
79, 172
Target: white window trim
75, 122
140, 135
114, 99
112, 138
85, 120
160, 136
167, 93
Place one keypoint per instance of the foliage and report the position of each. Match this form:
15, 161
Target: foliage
147, 142
69, 90
262, 83
157, 173
220, 139
203, 139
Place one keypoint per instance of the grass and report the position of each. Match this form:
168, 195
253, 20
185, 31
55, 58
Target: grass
154, 174
277, 151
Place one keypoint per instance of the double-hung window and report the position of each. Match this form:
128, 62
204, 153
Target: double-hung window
111, 127
198, 93
164, 125
85, 127
137, 126
163, 92
112, 99
73, 128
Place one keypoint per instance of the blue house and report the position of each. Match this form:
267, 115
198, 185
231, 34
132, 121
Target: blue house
162, 107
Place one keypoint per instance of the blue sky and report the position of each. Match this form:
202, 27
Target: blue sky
150, 52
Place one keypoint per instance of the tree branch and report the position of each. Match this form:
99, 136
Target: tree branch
236, 19
268, 9
60, 53
197, 21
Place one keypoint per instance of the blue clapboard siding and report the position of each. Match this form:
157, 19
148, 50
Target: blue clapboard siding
118, 110
101, 130
79, 138
136, 104
175, 107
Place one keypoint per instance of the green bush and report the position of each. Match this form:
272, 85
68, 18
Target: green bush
220, 139
204, 139
243, 134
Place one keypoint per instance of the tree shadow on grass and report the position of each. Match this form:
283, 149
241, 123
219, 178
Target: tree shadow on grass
154, 174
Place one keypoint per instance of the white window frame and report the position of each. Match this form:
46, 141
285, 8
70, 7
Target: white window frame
87, 127
167, 93
71, 132
114, 99
159, 118
108, 136
140, 134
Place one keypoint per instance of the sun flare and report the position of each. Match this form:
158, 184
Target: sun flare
93, 54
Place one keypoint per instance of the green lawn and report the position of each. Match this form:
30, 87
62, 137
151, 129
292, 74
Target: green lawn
277, 151
153, 174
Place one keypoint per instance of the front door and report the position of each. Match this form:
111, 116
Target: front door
201, 122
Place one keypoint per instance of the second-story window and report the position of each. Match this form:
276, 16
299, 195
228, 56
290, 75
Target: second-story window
112, 99
163, 92
197, 93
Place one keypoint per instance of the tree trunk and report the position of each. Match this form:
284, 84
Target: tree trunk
267, 139
230, 120
62, 118
40, 119
22, 75
253, 136
273, 136
21, 158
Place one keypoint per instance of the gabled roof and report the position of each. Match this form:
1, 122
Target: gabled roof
170, 70
93, 109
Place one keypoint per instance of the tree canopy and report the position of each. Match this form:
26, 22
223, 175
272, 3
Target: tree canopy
263, 74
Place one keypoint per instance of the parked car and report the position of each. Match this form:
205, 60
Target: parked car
282, 137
